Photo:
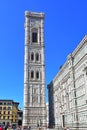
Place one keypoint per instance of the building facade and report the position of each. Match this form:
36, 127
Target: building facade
68, 91
20, 117
34, 71
8, 112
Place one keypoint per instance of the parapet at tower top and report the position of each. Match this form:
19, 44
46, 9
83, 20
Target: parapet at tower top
34, 14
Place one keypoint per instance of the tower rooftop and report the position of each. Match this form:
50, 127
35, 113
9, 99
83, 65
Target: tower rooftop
34, 14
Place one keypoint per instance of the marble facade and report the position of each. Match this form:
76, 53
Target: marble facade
34, 113
68, 91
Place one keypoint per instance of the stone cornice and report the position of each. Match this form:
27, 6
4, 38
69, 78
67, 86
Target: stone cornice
84, 40
34, 14
58, 74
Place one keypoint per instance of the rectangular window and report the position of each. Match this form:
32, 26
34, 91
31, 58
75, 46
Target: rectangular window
34, 37
8, 117
4, 108
9, 108
3, 117
4, 112
0, 103
4, 103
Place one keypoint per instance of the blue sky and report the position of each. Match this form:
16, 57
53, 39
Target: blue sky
65, 26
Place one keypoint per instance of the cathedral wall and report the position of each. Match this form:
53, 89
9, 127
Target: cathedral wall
70, 90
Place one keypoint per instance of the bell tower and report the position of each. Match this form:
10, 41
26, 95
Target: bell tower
34, 113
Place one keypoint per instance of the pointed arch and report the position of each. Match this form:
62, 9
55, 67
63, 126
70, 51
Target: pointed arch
37, 75
37, 56
32, 74
32, 56
34, 35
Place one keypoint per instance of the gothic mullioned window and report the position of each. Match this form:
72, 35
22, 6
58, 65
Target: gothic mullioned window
37, 57
37, 75
32, 74
32, 56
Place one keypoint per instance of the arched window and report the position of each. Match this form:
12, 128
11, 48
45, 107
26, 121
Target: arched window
37, 57
32, 74
32, 56
37, 75
34, 35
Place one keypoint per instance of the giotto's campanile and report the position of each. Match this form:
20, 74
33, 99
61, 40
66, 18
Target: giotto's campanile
34, 71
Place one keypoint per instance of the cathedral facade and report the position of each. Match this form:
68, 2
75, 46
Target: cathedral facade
68, 92
34, 71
